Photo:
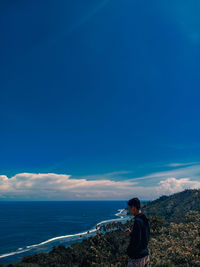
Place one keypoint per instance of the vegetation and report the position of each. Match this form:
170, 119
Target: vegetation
174, 239
173, 207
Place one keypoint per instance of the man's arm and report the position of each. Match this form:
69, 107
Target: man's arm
135, 240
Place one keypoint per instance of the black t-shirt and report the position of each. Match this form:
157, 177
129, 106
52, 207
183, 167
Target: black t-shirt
139, 237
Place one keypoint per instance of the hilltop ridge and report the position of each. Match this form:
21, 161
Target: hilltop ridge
174, 206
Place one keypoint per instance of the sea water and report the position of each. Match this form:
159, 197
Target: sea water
36, 226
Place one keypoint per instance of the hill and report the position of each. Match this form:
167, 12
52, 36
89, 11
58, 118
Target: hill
174, 207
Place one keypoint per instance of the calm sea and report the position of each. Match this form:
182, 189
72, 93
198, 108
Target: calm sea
33, 227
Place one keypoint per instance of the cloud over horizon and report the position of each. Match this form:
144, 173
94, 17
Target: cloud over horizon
51, 186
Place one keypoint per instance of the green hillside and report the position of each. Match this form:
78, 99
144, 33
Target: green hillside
174, 207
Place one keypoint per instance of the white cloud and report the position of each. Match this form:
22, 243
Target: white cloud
181, 164
47, 186
51, 186
190, 171
172, 185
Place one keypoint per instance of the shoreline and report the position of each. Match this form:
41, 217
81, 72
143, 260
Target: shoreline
37, 248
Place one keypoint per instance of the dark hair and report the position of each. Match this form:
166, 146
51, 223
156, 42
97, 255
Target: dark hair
134, 202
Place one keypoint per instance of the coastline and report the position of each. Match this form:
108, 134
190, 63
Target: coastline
67, 240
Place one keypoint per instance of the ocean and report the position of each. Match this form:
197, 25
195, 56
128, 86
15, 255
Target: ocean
28, 227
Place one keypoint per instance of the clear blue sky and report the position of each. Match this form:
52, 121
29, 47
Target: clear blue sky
92, 87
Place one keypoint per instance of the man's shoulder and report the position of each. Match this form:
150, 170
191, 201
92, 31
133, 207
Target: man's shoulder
139, 215
141, 218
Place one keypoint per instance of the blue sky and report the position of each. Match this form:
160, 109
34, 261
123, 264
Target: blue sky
100, 89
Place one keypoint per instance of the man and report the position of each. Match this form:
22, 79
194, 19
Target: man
137, 250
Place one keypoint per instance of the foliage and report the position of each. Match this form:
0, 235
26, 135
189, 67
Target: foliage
173, 207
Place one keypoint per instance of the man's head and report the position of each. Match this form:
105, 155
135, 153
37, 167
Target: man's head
134, 205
